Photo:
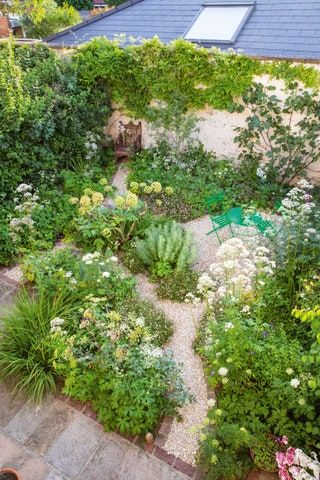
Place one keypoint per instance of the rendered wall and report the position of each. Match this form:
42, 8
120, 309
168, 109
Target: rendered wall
216, 128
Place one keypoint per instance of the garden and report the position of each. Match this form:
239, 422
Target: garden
195, 292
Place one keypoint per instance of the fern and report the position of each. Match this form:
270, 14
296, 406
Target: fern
168, 244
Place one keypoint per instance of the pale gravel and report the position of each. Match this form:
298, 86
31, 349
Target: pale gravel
182, 440
120, 179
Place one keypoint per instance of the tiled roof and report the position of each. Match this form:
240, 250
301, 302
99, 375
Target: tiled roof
276, 28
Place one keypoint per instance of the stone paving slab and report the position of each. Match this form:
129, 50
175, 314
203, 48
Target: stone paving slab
74, 447
26, 421
59, 415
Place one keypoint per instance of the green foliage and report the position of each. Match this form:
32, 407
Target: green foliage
264, 452
93, 274
77, 4
129, 392
191, 185
99, 227
154, 319
47, 118
255, 393
177, 285
224, 452
56, 18
25, 352
136, 75
290, 147
166, 248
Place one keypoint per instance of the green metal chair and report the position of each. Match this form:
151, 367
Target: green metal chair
265, 227
219, 222
236, 215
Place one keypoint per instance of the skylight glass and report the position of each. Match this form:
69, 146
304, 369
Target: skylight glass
218, 23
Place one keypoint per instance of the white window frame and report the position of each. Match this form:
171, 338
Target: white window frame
249, 5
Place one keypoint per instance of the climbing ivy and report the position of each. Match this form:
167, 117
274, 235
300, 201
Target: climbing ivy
140, 74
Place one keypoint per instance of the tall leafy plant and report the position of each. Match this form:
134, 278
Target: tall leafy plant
166, 248
281, 137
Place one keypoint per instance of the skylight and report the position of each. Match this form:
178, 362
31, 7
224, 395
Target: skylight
219, 23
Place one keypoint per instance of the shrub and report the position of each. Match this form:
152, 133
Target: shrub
259, 395
25, 351
166, 248
288, 146
100, 227
45, 114
155, 320
56, 18
78, 4
130, 389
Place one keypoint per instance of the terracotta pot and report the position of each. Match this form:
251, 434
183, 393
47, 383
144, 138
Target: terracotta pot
9, 474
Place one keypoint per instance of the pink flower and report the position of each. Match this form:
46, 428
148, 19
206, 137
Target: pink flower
284, 474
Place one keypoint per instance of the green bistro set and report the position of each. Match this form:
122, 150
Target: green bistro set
237, 216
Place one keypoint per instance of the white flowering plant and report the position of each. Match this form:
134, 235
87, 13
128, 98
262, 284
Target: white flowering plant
22, 225
298, 244
234, 274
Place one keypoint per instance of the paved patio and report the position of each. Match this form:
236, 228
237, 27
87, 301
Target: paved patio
57, 442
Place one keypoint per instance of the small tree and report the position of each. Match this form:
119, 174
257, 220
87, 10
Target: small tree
285, 133
77, 4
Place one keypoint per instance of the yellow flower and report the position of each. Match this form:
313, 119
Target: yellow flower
108, 188
103, 181
136, 334
134, 187
83, 210
73, 200
88, 313
106, 232
169, 190
88, 191
156, 187
97, 198
119, 202
142, 185
147, 190
85, 201
114, 316
159, 202
120, 353
131, 200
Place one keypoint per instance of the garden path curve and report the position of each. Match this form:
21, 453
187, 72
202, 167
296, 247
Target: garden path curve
182, 440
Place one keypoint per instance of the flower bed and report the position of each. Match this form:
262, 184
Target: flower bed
261, 361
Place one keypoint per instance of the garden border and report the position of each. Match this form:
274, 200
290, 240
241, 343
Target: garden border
156, 448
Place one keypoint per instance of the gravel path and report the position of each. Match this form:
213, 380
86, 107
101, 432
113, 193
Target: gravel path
183, 440
120, 179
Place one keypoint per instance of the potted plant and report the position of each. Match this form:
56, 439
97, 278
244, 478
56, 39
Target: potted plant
264, 449
9, 474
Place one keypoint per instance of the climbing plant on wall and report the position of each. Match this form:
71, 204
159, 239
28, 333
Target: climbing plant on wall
139, 74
